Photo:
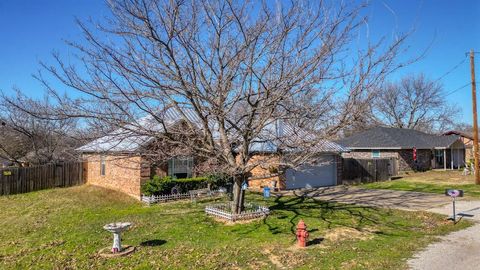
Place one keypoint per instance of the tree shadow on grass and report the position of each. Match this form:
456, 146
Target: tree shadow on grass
333, 214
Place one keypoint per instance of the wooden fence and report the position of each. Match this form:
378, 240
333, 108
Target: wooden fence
26, 179
368, 170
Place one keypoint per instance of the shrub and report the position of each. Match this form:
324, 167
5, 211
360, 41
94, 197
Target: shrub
219, 180
155, 186
164, 185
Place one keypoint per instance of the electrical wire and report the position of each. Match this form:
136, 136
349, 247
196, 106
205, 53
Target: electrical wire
458, 89
452, 69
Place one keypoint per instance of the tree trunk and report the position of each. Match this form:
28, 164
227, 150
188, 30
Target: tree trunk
238, 194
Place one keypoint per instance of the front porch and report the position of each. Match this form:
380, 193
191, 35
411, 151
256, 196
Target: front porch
448, 158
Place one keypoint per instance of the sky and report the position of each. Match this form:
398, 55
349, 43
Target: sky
31, 30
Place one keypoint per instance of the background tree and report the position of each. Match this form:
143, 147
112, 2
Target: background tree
463, 127
27, 139
240, 67
415, 102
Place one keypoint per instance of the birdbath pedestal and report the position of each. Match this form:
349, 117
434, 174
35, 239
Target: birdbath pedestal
117, 228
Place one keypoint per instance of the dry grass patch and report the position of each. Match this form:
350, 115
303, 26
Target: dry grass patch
454, 177
345, 233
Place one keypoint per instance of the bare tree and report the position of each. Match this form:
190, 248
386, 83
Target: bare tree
239, 67
464, 127
26, 139
415, 102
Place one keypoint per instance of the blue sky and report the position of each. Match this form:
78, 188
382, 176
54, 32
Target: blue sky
31, 30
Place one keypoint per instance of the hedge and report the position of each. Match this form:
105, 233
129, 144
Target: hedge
164, 185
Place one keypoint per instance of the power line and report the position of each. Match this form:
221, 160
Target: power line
458, 89
452, 69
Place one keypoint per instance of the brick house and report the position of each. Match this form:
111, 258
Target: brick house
467, 140
432, 151
116, 162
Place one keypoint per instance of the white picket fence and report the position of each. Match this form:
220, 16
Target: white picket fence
224, 211
192, 195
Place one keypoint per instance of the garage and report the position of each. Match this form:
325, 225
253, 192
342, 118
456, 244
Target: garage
322, 174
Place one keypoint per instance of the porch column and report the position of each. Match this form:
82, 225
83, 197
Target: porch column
451, 158
445, 159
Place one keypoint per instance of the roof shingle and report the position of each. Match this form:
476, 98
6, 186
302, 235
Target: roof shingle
396, 138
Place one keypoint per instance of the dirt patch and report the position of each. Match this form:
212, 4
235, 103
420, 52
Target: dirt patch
345, 233
274, 259
285, 258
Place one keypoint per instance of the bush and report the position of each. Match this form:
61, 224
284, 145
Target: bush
219, 180
164, 185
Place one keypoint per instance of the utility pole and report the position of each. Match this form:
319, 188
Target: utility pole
475, 124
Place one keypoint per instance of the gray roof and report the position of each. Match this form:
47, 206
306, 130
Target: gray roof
275, 135
396, 138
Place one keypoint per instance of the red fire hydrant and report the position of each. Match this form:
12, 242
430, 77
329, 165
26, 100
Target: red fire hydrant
302, 234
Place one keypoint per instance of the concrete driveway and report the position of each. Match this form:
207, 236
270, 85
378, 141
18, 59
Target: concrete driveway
404, 200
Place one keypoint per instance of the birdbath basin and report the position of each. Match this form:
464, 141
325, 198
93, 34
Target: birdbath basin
117, 228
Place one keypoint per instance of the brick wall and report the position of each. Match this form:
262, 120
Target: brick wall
160, 170
468, 143
261, 174
404, 157
468, 154
406, 163
123, 173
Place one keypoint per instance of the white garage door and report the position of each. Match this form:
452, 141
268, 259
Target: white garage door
320, 175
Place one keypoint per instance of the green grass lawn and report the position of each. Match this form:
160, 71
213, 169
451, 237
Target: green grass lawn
431, 182
62, 229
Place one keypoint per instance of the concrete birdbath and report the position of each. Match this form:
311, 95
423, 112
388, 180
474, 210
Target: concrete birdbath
117, 249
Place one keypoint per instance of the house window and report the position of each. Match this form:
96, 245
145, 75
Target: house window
375, 153
102, 165
180, 167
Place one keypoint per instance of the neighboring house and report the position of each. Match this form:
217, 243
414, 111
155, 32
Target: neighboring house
115, 161
467, 139
433, 151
